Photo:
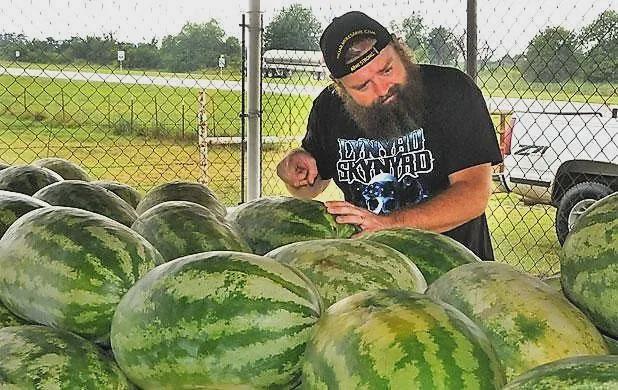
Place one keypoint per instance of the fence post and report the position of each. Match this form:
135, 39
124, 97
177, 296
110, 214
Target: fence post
156, 113
202, 138
471, 38
131, 125
254, 116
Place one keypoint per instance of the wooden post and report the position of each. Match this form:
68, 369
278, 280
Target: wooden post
202, 132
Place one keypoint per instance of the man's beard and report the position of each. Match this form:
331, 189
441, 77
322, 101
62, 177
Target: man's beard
389, 120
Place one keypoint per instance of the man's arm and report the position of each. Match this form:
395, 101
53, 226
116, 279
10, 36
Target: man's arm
299, 172
465, 199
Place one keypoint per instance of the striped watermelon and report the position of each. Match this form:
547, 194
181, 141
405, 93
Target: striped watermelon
612, 344
179, 228
8, 319
392, 339
68, 268
270, 222
38, 357
215, 320
181, 190
589, 264
88, 196
13, 205
342, 267
124, 191
581, 373
65, 168
27, 179
528, 322
434, 254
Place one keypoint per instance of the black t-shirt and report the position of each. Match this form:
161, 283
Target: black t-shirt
384, 175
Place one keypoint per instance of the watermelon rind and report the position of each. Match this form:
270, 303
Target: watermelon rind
68, 268
575, 373
528, 322
8, 319
87, 196
66, 169
13, 205
27, 179
588, 264
180, 228
38, 357
215, 320
124, 191
182, 190
393, 339
434, 254
270, 222
342, 267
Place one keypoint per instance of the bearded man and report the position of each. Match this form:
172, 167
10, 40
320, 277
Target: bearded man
409, 145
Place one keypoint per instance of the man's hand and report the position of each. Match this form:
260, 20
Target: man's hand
299, 172
298, 169
348, 213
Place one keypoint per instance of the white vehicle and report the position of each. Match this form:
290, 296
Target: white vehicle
282, 63
567, 160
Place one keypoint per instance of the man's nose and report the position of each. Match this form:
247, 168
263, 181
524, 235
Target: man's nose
381, 87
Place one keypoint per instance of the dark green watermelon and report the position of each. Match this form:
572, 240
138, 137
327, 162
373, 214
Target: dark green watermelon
270, 222
181, 190
528, 322
179, 228
216, 320
38, 357
65, 168
8, 319
13, 205
125, 191
68, 268
27, 179
394, 339
575, 373
342, 267
434, 254
88, 196
589, 264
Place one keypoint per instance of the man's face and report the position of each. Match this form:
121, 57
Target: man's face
389, 103
374, 82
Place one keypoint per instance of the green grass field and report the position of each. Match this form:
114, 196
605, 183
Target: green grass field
146, 135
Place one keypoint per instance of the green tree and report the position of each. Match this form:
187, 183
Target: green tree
600, 41
142, 55
442, 46
552, 55
197, 45
414, 33
293, 28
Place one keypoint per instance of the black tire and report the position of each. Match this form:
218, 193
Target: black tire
581, 195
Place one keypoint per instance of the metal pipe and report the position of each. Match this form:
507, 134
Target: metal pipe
254, 185
471, 40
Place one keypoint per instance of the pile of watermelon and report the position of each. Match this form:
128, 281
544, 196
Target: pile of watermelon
104, 287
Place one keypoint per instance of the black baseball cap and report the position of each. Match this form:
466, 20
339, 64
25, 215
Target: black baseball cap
341, 32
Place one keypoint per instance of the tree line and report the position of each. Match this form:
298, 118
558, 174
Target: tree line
554, 54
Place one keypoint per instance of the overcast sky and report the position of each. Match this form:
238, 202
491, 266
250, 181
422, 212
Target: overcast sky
506, 24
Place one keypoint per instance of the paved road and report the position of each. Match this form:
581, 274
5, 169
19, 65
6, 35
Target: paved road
506, 104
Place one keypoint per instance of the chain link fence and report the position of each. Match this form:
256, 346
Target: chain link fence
150, 92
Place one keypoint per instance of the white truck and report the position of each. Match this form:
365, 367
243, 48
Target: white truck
283, 63
567, 160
